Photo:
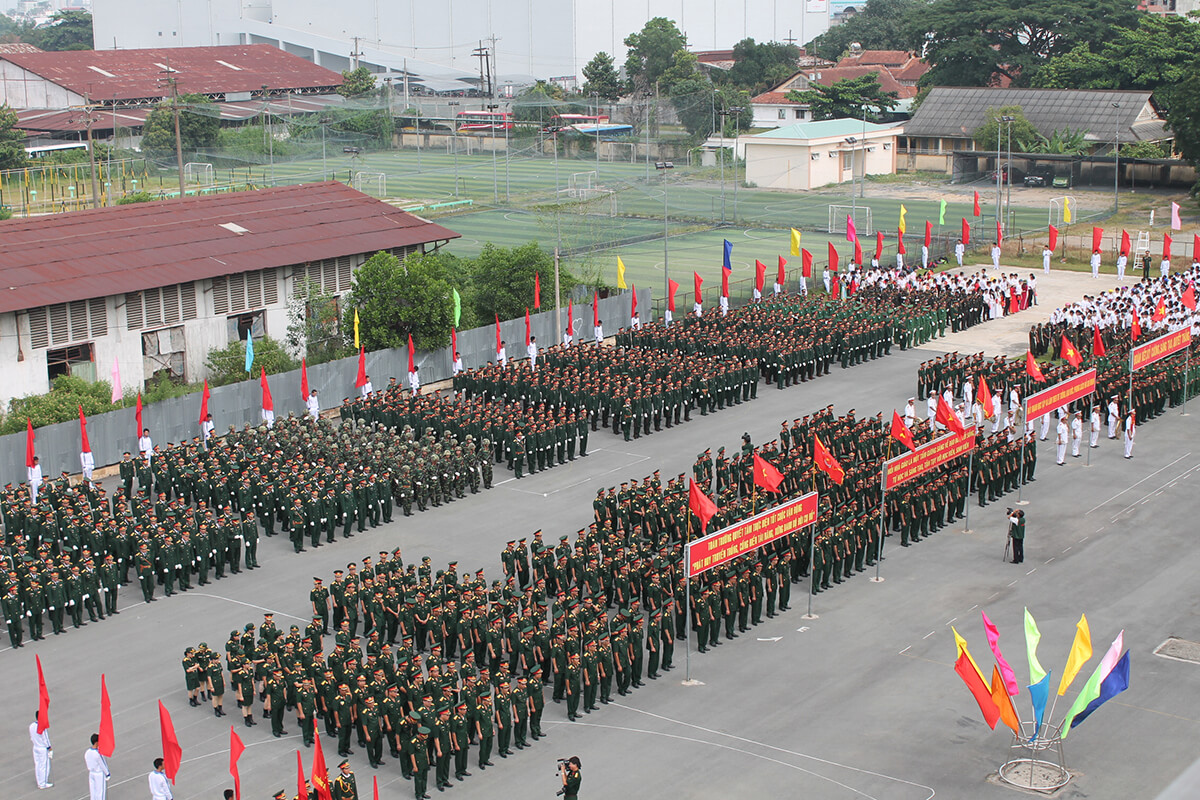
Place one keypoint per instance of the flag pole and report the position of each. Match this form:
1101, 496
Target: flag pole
1024, 419
687, 602
1187, 366
882, 510
812, 531
967, 500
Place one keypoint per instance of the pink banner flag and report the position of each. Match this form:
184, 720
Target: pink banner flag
1176, 224
851, 231
116, 382
993, 637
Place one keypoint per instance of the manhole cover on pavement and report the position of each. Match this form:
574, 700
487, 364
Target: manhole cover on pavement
1179, 649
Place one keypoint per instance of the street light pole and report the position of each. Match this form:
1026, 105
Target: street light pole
999, 195
850, 140
721, 152
1116, 159
662, 167
737, 131
495, 172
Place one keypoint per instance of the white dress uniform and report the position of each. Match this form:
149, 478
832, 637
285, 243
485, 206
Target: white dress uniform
1046, 260
414, 382
1076, 433
1060, 442
910, 413
97, 774
1130, 433
1114, 416
1122, 260
160, 786
313, 405
1095, 265
41, 755
1095, 427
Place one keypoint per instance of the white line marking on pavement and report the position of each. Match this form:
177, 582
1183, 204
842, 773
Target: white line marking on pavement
972, 608
926, 636
1051, 559
1031, 571
1084, 539
1012, 583
770, 639
952, 620
240, 603
995, 594
1102, 527
905, 650
1146, 498
1143, 480
1067, 549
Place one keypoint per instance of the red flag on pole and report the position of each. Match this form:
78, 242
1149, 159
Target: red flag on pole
301, 783
1135, 330
1032, 368
204, 395
172, 752
108, 740
571, 315
1097, 342
1125, 244
878, 244
140, 426
375, 786
966, 232
901, 433
947, 417
303, 379
780, 276
1196, 247
697, 282
826, 462
43, 720
1167, 247
1052, 245
858, 252
700, 504
725, 282
805, 263
1068, 352
999, 233
454, 340
760, 274
497, 334
1189, 296
900, 244
85, 445
672, 287
236, 748
595, 310
268, 403
29, 437
320, 773
833, 258
412, 363
966, 670
527, 331
1097, 235
765, 475
985, 398
977, 212
361, 380
633, 302
928, 233
537, 290
1160, 310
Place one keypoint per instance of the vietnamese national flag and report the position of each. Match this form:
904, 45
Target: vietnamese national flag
857, 252
760, 274
1189, 296
633, 305
765, 475
361, 379
833, 258
1125, 244
945, 415
1160, 311
527, 331
138, 415
1052, 245
303, 379
1032, 368
498, 340
1069, 352
672, 287
999, 233
1097, 343
901, 433
412, 364
29, 437
826, 462
1097, 235
983, 696
928, 233
204, 402
805, 263
878, 244
966, 232
985, 398
43, 699
172, 753
700, 504
537, 290
697, 282
1135, 330
320, 772
1166, 247
977, 211
236, 748
780, 276
84, 444
108, 740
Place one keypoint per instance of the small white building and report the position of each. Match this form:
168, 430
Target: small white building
155, 286
809, 155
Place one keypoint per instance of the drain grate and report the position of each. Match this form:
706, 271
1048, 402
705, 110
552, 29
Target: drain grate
1179, 650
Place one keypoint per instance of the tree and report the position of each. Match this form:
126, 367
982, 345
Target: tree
228, 364
12, 140
1145, 150
760, 65
539, 102
695, 102
69, 29
357, 82
1066, 142
651, 54
197, 129
395, 299
846, 98
1183, 116
602, 78
502, 280
881, 25
1024, 135
314, 325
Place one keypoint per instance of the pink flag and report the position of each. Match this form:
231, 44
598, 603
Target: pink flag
993, 637
1176, 224
116, 383
851, 232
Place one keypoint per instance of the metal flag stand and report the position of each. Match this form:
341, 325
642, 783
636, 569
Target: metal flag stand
1029, 766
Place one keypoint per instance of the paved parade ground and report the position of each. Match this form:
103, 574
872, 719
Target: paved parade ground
861, 702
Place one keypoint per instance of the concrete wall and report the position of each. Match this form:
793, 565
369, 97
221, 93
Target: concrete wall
807, 164
172, 420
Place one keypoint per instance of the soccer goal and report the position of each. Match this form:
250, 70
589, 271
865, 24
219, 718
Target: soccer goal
620, 151
1062, 209
372, 181
860, 214
198, 173
580, 184
460, 144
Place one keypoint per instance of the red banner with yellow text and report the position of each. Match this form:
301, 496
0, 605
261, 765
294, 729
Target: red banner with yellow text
1146, 354
904, 468
1060, 394
749, 534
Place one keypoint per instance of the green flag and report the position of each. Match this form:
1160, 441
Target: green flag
942, 214
1032, 637
457, 307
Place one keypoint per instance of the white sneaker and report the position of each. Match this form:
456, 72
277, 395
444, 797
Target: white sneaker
47, 786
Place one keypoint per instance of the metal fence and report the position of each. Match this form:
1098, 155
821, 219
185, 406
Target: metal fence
175, 419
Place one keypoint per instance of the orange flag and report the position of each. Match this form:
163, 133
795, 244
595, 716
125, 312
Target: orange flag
985, 398
1008, 714
966, 671
1032, 368
826, 462
901, 433
1069, 352
765, 475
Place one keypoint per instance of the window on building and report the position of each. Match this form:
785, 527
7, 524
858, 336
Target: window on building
800, 113
77, 360
783, 113
252, 322
164, 354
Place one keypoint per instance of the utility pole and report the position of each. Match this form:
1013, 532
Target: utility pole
355, 54
481, 53
178, 138
87, 105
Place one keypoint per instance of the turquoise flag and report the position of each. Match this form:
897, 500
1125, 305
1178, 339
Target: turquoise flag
457, 307
942, 214
1039, 693
249, 351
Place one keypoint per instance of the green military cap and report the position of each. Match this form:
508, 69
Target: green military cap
344, 763
423, 731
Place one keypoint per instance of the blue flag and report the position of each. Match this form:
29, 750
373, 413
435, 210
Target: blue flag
728, 252
1116, 682
249, 351
1039, 693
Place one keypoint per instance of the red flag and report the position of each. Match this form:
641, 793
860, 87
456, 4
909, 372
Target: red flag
966, 232
454, 337
900, 245
29, 437
1052, 245
1196, 247
85, 445
1125, 245
527, 332
497, 334
361, 380
320, 773
633, 304
108, 740
595, 312
878, 244
1097, 235
724, 282
1097, 343
697, 282
1032, 368
537, 290
172, 752
140, 426
236, 748
901, 433
833, 258
700, 504
1068, 352
760, 274
805, 263
375, 786
977, 211
999, 233
1160, 310
857, 251
1167, 247
835, 287
945, 415
303, 380
412, 364
43, 699
966, 670
204, 402
765, 475
571, 315
985, 398
826, 462
928, 233
780, 276
268, 403
1189, 296
301, 783
672, 287
1135, 331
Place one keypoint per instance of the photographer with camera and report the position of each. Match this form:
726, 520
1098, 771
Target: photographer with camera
568, 770
1016, 533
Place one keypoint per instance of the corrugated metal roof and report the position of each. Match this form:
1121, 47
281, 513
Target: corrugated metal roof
100, 252
958, 112
824, 129
139, 74
47, 119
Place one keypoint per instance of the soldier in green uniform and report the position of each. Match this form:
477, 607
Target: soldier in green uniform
485, 728
419, 756
344, 786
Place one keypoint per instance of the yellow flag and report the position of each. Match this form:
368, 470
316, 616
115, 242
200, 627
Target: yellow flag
356, 345
795, 242
1066, 209
904, 211
961, 646
621, 274
1081, 651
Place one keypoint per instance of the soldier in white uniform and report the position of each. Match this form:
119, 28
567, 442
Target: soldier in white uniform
1076, 433
1095, 427
1114, 417
97, 771
1060, 441
1130, 433
160, 785
532, 351
1122, 260
910, 413
1095, 263
1046, 253
959, 251
34, 475
414, 380
42, 750
313, 405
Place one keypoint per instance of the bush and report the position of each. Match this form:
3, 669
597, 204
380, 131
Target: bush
228, 365
60, 404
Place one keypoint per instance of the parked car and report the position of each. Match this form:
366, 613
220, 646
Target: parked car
1038, 179
1062, 182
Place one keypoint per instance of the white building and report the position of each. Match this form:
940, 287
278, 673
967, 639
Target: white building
551, 39
156, 286
809, 155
